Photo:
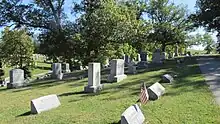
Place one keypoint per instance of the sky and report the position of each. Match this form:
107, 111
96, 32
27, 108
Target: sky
189, 3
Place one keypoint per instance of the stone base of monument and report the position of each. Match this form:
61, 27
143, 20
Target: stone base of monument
132, 115
14, 85
142, 65
66, 71
155, 91
117, 78
93, 89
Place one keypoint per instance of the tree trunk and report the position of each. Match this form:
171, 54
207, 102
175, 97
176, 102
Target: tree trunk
163, 47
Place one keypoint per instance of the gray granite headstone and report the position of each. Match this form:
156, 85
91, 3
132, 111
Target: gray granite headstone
132, 115
156, 57
166, 78
143, 56
163, 56
127, 59
155, 91
117, 71
94, 79
44, 103
16, 78
132, 69
57, 70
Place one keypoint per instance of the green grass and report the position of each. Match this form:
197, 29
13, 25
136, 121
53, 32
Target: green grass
40, 68
187, 101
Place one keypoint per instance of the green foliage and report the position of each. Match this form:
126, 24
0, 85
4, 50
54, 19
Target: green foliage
207, 14
16, 47
170, 22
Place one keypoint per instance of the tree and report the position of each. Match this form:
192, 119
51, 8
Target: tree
207, 14
170, 23
16, 47
105, 23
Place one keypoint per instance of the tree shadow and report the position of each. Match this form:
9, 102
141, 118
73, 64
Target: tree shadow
71, 93
119, 122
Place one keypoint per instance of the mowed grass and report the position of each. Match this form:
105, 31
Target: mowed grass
187, 101
41, 67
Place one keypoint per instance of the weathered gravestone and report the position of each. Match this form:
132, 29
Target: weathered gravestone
156, 57
176, 51
170, 55
44, 103
132, 115
66, 68
143, 63
16, 78
117, 71
94, 79
132, 69
57, 71
166, 78
155, 91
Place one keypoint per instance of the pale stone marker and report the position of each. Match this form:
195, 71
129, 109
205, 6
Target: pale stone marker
16, 78
166, 78
44, 103
117, 71
66, 68
57, 70
155, 91
94, 78
132, 115
138, 57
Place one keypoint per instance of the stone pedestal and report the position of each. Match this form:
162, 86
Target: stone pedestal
117, 71
94, 79
16, 78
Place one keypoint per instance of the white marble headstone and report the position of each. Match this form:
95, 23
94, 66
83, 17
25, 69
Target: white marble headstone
94, 78
57, 70
44, 103
132, 115
117, 71
156, 89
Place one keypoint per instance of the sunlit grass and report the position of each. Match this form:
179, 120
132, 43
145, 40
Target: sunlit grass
187, 100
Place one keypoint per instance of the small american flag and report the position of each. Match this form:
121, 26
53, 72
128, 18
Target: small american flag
144, 97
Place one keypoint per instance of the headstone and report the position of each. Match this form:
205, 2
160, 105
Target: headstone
176, 51
117, 71
94, 78
57, 70
166, 78
132, 115
127, 59
156, 57
132, 69
16, 78
155, 91
143, 56
44, 103
138, 57
66, 68
170, 55
163, 56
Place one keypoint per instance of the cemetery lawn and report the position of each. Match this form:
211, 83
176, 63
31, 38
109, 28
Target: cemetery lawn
40, 68
187, 101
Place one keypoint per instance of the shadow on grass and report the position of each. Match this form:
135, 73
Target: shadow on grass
25, 114
43, 68
71, 93
119, 122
